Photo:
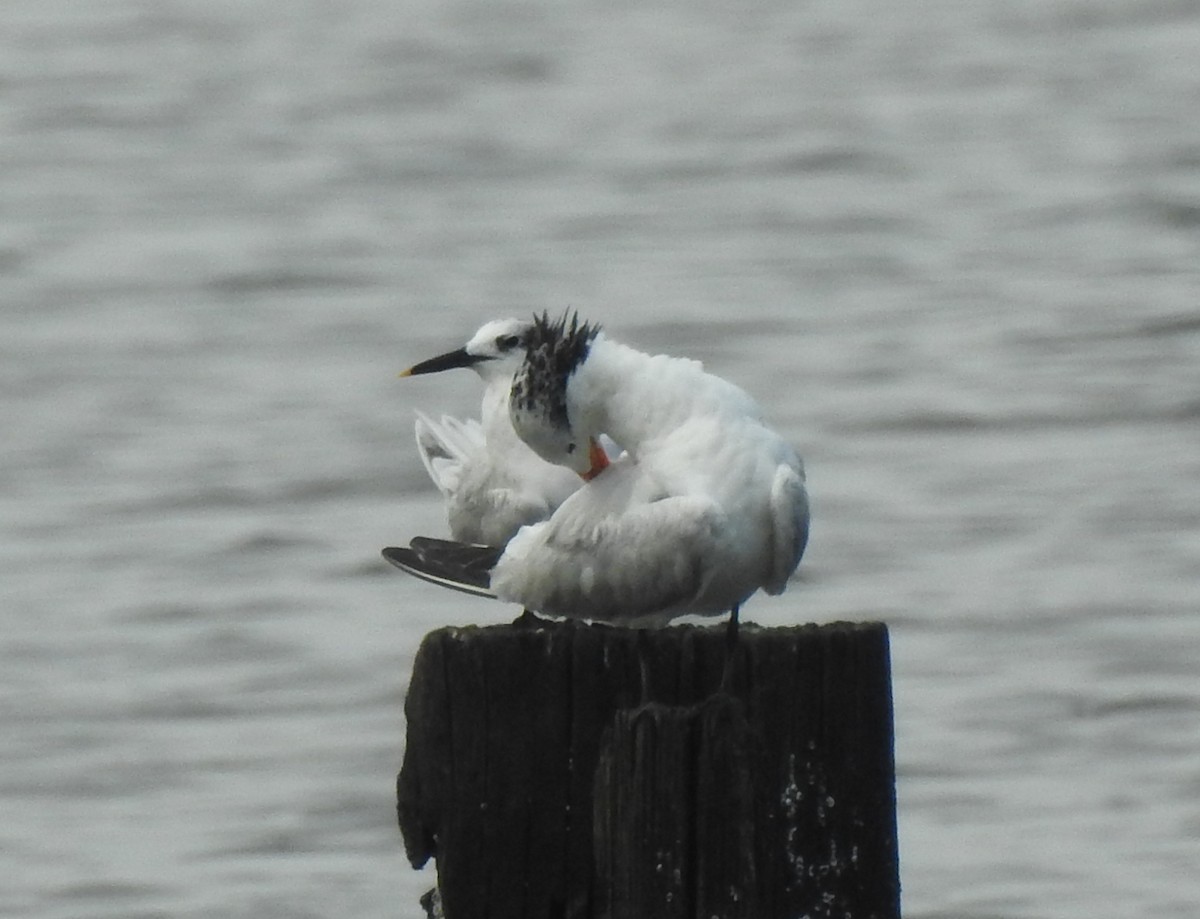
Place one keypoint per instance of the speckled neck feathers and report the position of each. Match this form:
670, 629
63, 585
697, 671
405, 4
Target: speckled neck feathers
555, 348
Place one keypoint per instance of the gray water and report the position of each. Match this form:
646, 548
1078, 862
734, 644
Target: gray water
952, 247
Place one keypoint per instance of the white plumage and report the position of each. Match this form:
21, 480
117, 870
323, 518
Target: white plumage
707, 505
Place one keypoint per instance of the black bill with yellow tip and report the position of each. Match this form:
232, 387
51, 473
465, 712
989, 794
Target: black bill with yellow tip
448, 361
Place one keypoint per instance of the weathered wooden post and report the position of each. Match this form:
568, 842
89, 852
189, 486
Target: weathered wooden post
550, 783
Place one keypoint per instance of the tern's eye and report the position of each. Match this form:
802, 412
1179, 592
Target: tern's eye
507, 342
570, 448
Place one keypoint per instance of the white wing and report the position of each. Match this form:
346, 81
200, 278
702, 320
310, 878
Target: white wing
613, 550
491, 489
447, 447
789, 526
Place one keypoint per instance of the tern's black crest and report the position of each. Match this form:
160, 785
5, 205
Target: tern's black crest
554, 350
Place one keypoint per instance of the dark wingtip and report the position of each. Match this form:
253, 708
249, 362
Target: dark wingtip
447, 564
401, 558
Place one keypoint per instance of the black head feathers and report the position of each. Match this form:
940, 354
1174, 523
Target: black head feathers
554, 349
565, 340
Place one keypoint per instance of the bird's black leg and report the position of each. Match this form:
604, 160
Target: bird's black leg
643, 653
529, 620
731, 643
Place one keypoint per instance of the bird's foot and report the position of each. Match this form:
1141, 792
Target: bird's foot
731, 647
530, 620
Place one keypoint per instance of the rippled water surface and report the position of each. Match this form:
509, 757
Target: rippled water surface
952, 247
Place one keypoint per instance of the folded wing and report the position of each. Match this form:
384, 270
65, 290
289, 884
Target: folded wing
640, 561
